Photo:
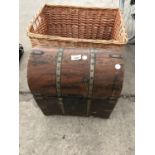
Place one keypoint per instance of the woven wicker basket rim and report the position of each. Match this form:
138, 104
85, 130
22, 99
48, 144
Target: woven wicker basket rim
82, 7
59, 38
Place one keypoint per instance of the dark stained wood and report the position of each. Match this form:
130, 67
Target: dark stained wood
75, 75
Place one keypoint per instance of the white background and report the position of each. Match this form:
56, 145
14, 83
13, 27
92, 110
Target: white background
145, 77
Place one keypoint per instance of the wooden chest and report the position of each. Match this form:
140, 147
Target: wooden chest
76, 81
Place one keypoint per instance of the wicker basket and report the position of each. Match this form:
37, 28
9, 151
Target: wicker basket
68, 26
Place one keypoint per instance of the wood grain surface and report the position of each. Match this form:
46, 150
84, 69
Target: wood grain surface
74, 80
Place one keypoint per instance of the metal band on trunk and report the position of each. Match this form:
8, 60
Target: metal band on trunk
58, 79
91, 78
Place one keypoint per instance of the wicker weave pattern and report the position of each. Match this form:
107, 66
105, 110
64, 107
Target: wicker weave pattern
76, 26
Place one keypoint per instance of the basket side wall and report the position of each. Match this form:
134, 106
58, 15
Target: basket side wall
40, 24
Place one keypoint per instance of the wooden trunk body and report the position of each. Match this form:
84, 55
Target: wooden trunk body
76, 81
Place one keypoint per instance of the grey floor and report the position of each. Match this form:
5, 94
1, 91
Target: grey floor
58, 135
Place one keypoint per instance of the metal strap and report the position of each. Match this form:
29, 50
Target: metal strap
91, 78
61, 105
58, 79
58, 72
115, 81
112, 99
118, 67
